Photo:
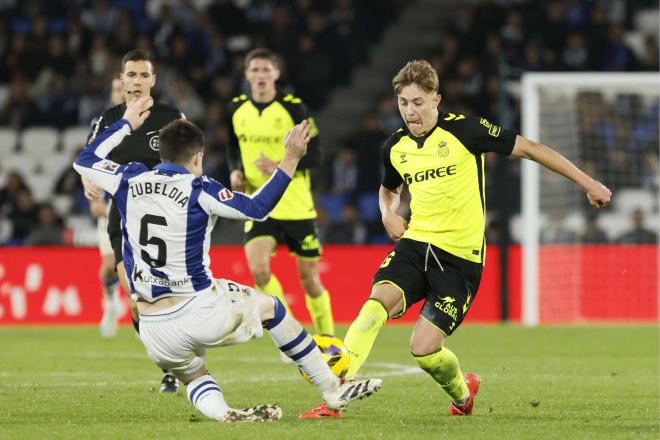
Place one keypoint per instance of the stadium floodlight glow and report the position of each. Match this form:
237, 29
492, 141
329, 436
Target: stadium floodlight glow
553, 111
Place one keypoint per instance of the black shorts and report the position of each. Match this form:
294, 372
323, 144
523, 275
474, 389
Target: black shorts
301, 236
114, 232
447, 285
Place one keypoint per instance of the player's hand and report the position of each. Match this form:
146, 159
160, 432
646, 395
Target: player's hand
296, 140
599, 195
98, 208
237, 181
265, 165
92, 191
395, 225
137, 111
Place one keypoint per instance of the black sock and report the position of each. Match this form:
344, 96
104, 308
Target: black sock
136, 325
110, 286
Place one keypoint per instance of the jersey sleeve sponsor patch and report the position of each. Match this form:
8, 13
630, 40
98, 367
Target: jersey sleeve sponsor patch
493, 129
225, 194
216, 190
107, 166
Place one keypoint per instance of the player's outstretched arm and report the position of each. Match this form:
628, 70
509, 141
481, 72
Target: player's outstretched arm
389, 201
598, 194
296, 146
92, 164
218, 200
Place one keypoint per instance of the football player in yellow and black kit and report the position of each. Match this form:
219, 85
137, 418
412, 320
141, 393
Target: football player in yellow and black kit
440, 253
258, 125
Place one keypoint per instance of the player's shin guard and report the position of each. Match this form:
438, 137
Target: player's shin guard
292, 339
444, 368
320, 310
362, 334
205, 395
274, 288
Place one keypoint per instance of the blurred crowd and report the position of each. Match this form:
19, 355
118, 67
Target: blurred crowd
58, 58
487, 46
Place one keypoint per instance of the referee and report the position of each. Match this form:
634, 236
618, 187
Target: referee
138, 78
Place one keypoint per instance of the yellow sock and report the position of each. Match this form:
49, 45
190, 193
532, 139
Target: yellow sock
274, 288
362, 334
444, 369
320, 310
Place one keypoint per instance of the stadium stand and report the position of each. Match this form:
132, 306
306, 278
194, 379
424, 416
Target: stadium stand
58, 62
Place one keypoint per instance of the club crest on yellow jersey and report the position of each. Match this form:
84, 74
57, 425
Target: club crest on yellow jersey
443, 149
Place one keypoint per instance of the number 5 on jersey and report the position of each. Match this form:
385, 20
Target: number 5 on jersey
145, 240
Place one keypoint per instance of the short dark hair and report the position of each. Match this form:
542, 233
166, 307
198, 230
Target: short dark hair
263, 53
137, 55
180, 140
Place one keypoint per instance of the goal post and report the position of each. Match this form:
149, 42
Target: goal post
589, 118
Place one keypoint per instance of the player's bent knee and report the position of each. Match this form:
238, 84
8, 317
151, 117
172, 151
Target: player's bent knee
187, 378
389, 296
312, 286
107, 269
423, 344
267, 305
276, 314
261, 277
423, 348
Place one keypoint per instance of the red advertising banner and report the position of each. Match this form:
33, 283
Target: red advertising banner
593, 283
61, 285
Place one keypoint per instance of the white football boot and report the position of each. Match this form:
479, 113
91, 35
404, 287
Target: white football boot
350, 391
261, 413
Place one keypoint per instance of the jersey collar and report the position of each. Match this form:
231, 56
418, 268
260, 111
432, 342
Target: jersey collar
172, 168
261, 106
421, 139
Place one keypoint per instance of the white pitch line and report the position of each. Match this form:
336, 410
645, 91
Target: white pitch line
392, 369
143, 355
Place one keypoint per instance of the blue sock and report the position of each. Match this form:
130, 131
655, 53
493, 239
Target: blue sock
292, 339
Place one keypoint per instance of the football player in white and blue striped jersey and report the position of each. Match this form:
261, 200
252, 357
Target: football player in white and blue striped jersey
167, 215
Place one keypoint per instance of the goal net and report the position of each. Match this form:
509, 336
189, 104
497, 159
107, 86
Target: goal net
582, 264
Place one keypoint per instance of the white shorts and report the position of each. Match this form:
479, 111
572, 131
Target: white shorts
104, 239
176, 339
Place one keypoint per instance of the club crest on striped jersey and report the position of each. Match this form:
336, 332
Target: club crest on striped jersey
225, 195
107, 166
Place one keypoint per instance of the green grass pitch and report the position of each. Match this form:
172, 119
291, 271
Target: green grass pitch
550, 382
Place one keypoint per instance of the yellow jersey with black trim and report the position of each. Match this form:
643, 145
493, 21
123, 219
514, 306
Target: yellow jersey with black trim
257, 128
444, 171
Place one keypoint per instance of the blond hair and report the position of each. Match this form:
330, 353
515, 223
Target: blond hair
418, 72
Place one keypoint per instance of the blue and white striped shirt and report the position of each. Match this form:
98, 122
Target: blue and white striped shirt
167, 216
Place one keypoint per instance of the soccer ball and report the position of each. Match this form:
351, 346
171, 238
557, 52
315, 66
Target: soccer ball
335, 354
